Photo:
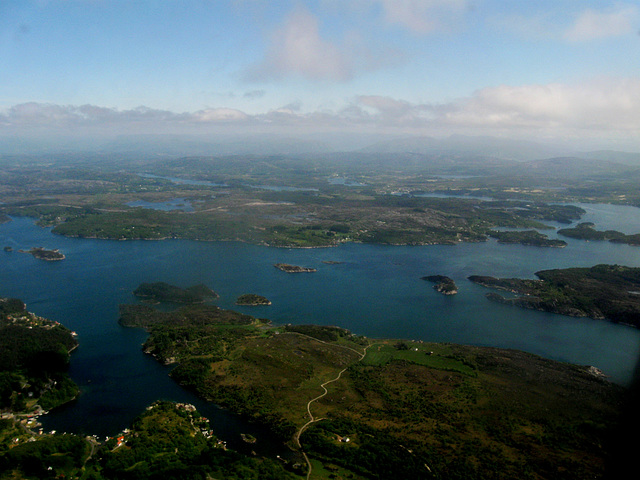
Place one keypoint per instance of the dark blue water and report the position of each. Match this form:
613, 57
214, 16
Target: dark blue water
376, 291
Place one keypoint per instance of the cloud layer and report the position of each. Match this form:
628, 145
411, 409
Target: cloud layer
603, 108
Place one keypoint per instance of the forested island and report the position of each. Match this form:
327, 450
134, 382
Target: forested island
252, 299
609, 292
443, 284
44, 254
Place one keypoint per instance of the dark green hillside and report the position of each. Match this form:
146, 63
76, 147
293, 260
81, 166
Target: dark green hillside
395, 408
34, 356
173, 441
527, 237
609, 292
164, 292
587, 231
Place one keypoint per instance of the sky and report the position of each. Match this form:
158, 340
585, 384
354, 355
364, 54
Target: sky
564, 71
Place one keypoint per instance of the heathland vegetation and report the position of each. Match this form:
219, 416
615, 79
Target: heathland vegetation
391, 406
287, 201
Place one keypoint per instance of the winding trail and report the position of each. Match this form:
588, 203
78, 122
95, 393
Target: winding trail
324, 387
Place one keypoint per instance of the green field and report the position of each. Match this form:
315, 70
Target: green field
431, 355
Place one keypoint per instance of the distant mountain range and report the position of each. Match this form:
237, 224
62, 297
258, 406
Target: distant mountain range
572, 166
484, 149
465, 145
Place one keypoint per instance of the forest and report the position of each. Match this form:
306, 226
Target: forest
34, 358
602, 292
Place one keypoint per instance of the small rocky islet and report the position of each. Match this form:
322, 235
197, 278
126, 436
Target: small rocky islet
285, 267
443, 284
43, 254
251, 299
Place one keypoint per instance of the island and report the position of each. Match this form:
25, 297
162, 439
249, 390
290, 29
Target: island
252, 300
587, 231
444, 285
610, 292
44, 254
527, 237
355, 407
165, 292
293, 268
8, 248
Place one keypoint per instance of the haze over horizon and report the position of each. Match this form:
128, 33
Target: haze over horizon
555, 72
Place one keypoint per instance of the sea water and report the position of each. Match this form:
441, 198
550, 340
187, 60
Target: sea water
372, 290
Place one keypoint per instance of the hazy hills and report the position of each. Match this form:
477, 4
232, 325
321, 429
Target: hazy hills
356, 151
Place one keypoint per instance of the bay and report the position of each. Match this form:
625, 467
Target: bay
374, 291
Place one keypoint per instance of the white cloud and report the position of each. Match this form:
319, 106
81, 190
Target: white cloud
423, 16
609, 106
297, 48
593, 24
587, 25
218, 115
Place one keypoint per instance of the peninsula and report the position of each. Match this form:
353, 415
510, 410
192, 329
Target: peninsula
34, 358
527, 237
164, 292
361, 408
610, 292
587, 231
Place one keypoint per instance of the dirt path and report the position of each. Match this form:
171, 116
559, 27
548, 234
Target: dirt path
324, 387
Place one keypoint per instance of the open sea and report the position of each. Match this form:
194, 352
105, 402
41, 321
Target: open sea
374, 291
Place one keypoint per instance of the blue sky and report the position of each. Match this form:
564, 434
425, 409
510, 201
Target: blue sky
562, 70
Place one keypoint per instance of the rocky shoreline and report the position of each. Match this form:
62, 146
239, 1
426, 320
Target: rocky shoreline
252, 300
44, 254
285, 267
